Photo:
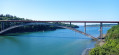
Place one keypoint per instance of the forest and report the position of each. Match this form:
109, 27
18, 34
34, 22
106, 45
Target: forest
30, 28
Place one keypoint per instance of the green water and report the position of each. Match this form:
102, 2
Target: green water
58, 42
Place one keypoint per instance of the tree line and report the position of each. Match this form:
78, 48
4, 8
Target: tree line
30, 28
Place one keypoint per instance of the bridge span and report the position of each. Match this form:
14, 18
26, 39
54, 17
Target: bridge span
49, 23
12, 27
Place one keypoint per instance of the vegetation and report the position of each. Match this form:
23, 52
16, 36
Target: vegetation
30, 28
111, 47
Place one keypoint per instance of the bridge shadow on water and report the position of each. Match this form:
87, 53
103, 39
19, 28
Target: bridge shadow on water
68, 37
9, 38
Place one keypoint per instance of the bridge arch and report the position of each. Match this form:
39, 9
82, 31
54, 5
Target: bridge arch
12, 27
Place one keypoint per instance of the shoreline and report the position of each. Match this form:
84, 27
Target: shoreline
99, 43
86, 51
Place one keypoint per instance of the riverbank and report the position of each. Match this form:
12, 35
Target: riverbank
101, 42
98, 43
86, 51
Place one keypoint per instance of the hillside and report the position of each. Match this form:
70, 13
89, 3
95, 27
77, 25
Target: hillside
111, 47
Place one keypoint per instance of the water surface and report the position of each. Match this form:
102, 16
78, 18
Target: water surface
58, 42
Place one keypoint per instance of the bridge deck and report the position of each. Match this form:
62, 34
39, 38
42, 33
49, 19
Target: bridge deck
63, 21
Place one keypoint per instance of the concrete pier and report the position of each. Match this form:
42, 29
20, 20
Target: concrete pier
85, 27
101, 33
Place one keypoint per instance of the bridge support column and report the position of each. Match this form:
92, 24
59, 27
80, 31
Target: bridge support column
101, 33
70, 24
118, 23
85, 27
2, 25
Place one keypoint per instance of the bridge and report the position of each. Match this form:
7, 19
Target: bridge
51, 23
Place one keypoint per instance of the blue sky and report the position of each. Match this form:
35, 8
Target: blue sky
64, 10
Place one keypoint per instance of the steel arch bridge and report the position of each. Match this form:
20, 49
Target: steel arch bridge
50, 23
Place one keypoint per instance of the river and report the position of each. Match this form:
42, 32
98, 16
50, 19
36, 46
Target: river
57, 42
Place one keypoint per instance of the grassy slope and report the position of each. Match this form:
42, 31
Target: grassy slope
111, 47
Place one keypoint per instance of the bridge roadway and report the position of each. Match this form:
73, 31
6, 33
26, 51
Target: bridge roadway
12, 27
63, 21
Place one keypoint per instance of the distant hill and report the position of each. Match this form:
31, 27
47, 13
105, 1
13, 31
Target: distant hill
104, 25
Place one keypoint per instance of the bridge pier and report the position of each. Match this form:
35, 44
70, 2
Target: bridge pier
2, 25
101, 33
85, 27
118, 23
70, 24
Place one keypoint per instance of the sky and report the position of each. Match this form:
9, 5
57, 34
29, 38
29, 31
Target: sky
62, 10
